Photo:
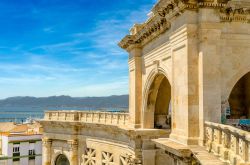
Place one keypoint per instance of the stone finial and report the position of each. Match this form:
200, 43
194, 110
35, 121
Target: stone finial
142, 34
135, 29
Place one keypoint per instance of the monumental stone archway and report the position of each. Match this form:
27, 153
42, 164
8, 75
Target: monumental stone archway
190, 52
157, 110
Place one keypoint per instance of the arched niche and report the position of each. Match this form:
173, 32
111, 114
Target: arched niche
157, 111
62, 160
239, 99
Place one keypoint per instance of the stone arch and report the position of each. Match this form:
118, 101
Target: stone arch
56, 155
239, 99
61, 159
234, 79
155, 108
229, 85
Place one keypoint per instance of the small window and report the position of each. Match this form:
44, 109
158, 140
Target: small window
32, 154
16, 156
15, 149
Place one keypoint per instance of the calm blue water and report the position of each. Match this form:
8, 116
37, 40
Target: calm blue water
19, 114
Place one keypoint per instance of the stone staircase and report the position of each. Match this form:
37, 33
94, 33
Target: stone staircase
188, 153
204, 157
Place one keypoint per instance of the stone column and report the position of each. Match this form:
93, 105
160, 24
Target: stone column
135, 88
46, 153
133, 47
73, 155
210, 54
185, 88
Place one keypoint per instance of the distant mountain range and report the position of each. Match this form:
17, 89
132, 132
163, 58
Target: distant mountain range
120, 101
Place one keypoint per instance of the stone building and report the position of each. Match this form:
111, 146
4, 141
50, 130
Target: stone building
189, 74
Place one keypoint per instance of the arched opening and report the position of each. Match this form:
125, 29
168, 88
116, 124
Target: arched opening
62, 160
158, 102
239, 99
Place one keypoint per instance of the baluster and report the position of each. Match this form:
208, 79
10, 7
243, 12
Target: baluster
248, 147
243, 146
92, 117
99, 117
209, 137
233, 147
111, 118
86, 116
216, 140
118, 119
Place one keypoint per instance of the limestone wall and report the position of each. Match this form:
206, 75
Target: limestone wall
203, 52
84, 142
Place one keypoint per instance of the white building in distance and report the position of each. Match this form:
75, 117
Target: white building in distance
21, 146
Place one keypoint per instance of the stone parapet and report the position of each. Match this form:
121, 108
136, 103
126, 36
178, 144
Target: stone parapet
229, 143
109, 118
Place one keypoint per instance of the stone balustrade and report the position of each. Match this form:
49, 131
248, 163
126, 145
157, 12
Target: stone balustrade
109, 118
231, 144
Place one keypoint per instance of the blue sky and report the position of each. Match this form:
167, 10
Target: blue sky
66, 47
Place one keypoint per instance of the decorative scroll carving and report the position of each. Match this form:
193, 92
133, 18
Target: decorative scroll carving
107, 158
148, 32
89, 157
123, 160
239, 14
134, 161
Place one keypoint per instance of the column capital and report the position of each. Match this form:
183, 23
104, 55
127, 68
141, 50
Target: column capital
47, 142
73, 144
135, 52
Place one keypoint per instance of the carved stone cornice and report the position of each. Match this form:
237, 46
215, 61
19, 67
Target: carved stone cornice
170, 8
148, 31
166, 10
237, 11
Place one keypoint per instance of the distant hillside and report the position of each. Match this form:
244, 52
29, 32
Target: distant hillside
67, 101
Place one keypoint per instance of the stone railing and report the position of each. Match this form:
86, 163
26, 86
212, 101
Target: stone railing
109, 118
231, 144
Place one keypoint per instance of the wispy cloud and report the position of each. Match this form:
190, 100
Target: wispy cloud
61, 49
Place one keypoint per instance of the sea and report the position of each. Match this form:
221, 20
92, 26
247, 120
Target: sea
24, 114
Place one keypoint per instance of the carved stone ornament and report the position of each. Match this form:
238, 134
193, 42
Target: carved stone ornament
166, 10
